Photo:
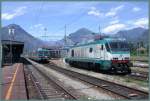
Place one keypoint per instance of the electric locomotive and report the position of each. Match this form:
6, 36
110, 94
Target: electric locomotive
106, 54
40, 55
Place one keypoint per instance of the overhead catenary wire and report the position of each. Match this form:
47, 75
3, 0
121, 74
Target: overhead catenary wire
37, 15
73, 21
70, 23
39, 11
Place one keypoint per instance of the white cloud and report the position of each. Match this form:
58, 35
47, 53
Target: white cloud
113, 28
114, 21
119, 7
136, 9
37, 26
95, 12
113, 11
142, 22
17, 12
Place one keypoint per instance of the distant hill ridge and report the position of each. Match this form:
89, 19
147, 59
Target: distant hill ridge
132, 35
31, 43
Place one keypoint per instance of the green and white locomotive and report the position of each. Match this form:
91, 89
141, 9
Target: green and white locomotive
40, 55
105, 54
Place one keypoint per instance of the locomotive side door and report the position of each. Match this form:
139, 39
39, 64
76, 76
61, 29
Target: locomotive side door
102, 52
97, 51
91, 52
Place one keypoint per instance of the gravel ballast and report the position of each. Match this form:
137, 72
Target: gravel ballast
116, 79
86, 91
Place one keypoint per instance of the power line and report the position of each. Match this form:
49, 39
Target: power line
37, 17
45, 29
77, 19
70, 23
39, 10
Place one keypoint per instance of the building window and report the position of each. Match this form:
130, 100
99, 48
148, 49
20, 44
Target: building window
72, 53
91, 49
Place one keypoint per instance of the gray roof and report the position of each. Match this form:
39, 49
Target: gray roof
7, 42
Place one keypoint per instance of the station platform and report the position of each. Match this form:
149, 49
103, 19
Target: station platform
13, 82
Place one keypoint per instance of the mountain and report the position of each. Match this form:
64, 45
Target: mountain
131, 35
144, 37
79, 36
83, 35
50, 43
30, 42
62, 42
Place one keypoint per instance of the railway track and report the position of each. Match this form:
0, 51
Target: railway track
140, 60
48, 87
140, 64
31, 80
139, 75
123, 91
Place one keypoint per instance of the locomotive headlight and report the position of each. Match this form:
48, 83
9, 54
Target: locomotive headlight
115, 58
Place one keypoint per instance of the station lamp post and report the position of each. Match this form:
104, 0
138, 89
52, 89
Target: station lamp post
11, 31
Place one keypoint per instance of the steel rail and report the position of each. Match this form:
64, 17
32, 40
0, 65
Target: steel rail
121, 90
51, 79
37, 86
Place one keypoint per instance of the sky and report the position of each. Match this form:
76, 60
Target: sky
112, 17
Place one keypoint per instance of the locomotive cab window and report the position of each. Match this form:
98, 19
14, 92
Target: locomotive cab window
90, 50
107, 47
119, 46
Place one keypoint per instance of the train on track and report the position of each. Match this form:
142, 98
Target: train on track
111, 55
40, 55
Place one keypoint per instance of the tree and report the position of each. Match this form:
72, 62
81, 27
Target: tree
132, 48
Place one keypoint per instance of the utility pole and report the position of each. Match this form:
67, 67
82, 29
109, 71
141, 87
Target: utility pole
45, 29
1, 58
11, 31
139, 49
44, 35
138, 45
65, 36
99, 30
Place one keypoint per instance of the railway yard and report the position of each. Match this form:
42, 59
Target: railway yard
74, 51
45, 74
57, 80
